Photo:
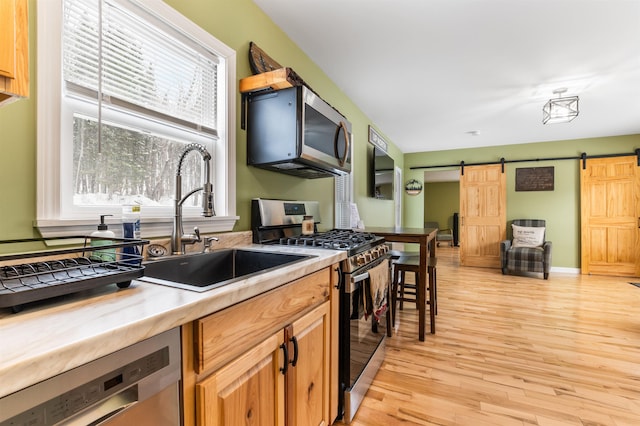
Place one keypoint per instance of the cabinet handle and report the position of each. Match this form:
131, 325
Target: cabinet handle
340, 277
294, 361
283, 369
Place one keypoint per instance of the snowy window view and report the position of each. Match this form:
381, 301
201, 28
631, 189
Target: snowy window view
128, 167
152, 90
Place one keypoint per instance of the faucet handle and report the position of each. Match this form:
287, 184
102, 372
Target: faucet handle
196, 231
207, 243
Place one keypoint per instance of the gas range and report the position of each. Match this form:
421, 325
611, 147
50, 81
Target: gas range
362, 247
280, 222
361, 335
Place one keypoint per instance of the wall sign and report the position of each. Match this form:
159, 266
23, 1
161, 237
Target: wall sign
377, 140
535, 178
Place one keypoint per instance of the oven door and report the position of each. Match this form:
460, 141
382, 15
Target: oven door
361, 337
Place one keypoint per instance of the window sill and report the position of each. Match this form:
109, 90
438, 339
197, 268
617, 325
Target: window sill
149, 227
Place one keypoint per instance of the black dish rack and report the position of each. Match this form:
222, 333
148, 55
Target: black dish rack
39, 275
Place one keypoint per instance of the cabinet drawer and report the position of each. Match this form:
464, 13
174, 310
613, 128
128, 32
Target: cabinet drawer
223, 336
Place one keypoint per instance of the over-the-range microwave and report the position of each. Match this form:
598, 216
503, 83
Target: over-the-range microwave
294, 131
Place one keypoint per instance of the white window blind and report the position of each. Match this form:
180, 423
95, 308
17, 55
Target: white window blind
138, 64
343, 202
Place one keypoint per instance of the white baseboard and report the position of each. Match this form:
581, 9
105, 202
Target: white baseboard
575, 271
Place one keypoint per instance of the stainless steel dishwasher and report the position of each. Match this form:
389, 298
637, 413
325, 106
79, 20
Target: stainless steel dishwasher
138, 385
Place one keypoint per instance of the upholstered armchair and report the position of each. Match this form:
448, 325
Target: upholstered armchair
527, 251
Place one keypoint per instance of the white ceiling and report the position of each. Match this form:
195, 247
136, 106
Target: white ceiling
428, 73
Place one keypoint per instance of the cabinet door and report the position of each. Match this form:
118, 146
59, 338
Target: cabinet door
308, 380
14, 50
7, 38
247, 391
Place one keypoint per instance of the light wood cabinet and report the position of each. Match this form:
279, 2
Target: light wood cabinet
264, 361
271, 385
14, 50
249, 390
307, 378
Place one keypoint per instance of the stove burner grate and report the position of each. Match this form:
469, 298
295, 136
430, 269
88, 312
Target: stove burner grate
336, 239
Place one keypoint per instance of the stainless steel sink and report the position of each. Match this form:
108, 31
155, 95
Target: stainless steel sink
205, 271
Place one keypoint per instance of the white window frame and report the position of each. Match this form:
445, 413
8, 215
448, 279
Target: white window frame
53, 218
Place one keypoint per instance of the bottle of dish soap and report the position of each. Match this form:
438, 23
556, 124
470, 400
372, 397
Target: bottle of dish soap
131, 230
102, 237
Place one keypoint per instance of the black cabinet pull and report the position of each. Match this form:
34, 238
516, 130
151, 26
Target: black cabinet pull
283, 369
294, 361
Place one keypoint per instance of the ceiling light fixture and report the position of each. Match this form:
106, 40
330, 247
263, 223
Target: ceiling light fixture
560, 110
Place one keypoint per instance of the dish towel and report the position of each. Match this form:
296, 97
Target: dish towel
375, 299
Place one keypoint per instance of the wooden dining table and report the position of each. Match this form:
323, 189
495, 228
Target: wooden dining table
426, 238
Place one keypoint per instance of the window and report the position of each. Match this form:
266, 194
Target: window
344, 197
121, 94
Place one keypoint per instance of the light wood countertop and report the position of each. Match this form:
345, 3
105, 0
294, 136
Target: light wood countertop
50, 337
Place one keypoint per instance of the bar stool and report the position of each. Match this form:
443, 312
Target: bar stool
409, 292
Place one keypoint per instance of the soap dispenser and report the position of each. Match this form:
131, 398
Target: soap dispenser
103, 237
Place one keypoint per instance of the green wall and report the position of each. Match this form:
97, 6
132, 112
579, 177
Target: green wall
235, 23
441, 200
238, 22
560, 207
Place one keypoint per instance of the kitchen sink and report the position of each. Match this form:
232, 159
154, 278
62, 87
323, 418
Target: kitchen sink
205, 271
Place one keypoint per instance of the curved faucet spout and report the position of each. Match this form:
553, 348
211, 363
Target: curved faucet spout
178, 238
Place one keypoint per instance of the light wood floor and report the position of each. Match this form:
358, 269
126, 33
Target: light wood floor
513, 350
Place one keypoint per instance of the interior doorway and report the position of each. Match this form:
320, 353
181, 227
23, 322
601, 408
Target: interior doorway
442, 200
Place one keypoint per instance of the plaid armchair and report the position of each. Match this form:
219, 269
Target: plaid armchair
521, 254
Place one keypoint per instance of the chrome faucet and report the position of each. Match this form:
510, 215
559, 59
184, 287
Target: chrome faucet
179, 239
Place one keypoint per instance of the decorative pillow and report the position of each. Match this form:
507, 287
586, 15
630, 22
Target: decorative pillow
526, 236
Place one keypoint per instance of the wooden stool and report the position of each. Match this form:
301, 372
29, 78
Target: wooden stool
394, 256
409, 292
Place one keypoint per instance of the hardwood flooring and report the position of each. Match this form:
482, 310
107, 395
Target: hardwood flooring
513, 350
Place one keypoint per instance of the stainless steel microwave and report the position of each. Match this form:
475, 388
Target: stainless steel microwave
294, 131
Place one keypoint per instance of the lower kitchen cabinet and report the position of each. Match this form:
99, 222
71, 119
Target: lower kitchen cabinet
264, 361
307, 378
271, 385
249, 390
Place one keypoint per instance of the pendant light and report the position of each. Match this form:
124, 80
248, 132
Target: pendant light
560, 109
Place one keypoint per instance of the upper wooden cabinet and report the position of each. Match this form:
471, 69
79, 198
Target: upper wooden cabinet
14, 50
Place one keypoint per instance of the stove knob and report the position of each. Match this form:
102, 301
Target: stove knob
374, 253
368, 256
384, 248
360, 260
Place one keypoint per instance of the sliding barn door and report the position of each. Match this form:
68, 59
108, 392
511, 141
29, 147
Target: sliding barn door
483, 204
610, 216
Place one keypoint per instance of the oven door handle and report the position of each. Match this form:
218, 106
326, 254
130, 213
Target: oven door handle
360, 277
353, 282
351, 285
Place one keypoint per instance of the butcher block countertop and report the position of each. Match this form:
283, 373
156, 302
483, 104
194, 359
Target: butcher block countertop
50, 337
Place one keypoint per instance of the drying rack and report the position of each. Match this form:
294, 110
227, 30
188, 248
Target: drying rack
37, 275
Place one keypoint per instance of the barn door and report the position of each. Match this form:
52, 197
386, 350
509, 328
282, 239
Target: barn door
483, 197
610, 216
